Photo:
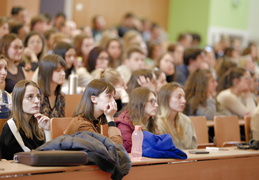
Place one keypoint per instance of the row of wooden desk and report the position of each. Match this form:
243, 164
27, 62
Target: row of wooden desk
232, 164
210, 123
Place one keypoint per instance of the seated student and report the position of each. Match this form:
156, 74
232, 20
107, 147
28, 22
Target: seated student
18, 28
96, 107
224, 65
20, 14
83, 44
98, 59
33, 50
39, 23
113, 76
177, 50
254, 87
51, 77
142, 78
4, 27
26, 121
154, 50
237, 98
255, 124
68, 53
135, 58
5, 97
115, 50
141, 109
11, 47
171, 120
192, 60
166, 63
200, 89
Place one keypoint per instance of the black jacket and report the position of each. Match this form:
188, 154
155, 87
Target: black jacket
9, 145
101, 151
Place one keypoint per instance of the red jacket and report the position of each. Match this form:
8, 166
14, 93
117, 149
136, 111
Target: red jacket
126, 127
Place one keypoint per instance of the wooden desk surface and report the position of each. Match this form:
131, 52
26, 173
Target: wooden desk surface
210, 123
218, 165
12, 169
232, 152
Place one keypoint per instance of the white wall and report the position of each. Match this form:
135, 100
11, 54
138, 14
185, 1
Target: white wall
253, 21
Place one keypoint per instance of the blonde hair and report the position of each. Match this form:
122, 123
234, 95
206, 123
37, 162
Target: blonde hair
110, 74
164, 124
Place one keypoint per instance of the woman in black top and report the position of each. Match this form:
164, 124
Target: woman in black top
31, 125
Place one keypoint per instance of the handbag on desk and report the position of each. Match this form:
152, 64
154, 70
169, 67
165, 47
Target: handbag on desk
252, 144
51, 158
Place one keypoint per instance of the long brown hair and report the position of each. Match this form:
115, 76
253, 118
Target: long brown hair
164, 124
196, 89
86, 106
227, 80
78, 41
5, 43
31, 128
47, 65
136, 107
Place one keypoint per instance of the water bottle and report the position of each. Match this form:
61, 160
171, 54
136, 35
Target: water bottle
137, 140
72, 83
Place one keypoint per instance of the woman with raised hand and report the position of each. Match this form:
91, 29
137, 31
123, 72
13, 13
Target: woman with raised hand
142, 78
27, 129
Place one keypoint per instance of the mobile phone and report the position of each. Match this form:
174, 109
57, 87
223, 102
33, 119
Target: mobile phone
199, 152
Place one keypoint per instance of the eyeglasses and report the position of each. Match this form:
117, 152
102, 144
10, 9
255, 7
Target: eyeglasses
153, 102
32, 98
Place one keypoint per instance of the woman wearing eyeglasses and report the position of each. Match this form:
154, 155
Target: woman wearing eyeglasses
12, 48
141, 109
171, 120
27, 128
